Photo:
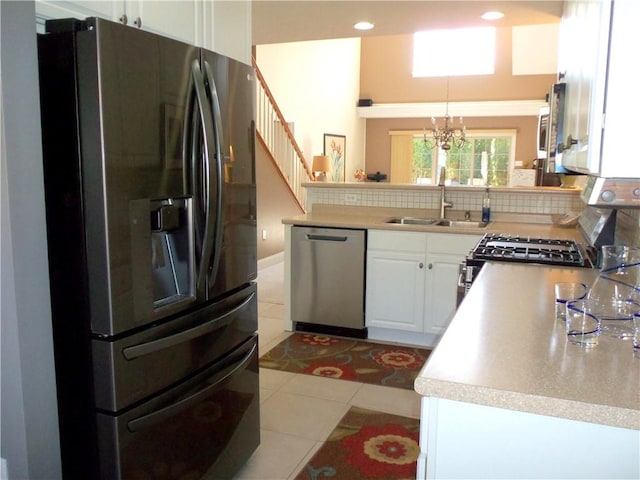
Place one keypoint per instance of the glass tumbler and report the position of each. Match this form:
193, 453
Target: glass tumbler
583, 322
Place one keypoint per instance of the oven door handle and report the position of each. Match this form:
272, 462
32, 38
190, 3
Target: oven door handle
215, 383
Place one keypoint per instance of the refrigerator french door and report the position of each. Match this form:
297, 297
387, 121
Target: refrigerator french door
148, 147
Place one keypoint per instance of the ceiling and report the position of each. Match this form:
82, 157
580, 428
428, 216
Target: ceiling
301, 20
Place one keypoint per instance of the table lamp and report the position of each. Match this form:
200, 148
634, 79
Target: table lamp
321, 166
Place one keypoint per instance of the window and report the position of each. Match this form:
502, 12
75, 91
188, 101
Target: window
469, 51
486, 158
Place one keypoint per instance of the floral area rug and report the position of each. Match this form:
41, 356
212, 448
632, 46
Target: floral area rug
367, 445
347, 359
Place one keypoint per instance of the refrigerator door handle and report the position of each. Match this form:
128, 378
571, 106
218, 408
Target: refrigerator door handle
217, 124
203, 184
135, 351
216, 382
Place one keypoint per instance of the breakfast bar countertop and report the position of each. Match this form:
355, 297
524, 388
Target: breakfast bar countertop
504, 349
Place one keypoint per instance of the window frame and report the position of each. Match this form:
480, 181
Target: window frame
480, 51
440, 156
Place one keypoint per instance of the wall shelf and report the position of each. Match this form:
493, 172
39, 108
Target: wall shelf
508, 108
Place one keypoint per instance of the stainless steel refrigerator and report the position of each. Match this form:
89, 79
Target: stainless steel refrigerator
149, 169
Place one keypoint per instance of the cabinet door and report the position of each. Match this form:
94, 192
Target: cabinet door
441, 291
444, 254
48, 9
177, 19
395, 290
584, 39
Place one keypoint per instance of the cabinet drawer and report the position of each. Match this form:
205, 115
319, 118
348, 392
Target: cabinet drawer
452, 243
394, 240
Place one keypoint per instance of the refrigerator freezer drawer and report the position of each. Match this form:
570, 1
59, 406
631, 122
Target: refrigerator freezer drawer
209, 424
132, 368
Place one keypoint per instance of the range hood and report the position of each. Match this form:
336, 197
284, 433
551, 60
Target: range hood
612, 192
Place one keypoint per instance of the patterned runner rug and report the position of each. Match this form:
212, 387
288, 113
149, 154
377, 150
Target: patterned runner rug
367, 445
347, 359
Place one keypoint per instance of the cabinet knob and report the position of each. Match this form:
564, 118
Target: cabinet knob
138, 22
430, 266
123, 19
421, 265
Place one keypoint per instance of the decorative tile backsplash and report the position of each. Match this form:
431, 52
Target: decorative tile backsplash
463, 198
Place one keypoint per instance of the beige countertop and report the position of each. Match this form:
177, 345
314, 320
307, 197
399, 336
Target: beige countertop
504, 349
540, 226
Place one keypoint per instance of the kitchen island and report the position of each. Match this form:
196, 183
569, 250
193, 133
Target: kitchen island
506, 396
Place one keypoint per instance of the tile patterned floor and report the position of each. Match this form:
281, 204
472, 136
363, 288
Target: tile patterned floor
299, 411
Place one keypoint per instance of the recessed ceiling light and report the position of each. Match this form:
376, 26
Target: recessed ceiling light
492, 15
363, 26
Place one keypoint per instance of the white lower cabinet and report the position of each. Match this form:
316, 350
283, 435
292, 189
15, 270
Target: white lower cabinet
471, 441
396, 280
445, 251
412, 280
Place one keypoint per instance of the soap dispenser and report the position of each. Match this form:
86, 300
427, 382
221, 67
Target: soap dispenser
486, 207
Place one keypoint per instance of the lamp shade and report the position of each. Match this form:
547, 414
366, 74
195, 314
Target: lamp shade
321, 163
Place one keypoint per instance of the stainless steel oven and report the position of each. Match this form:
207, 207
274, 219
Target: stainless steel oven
596, 226
508, 248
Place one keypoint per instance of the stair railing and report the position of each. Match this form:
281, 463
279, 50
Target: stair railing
276, 135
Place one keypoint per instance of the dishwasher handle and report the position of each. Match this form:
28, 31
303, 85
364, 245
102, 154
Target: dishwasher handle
326, 238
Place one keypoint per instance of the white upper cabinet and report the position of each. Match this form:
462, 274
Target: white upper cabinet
181, 20
224, 27
597, 41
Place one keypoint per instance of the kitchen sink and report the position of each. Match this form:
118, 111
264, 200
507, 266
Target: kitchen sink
437, 223
413, 221
461, 224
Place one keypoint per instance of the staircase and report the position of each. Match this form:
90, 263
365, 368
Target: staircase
277, 138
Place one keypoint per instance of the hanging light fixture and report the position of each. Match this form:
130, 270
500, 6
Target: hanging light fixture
444, 137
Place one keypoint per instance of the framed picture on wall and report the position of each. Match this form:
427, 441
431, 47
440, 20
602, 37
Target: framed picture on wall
335, 148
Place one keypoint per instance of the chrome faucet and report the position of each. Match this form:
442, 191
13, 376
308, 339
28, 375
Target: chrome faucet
443, 201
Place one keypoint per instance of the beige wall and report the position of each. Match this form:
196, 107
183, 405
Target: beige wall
385, 77
275, 202
378, 143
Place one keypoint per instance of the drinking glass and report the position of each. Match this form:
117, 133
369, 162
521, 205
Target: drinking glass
565, 292
583, 322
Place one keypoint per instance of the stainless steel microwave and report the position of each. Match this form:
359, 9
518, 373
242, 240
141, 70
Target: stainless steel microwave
550, 129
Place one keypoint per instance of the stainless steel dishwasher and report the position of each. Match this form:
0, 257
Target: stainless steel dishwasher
327, 280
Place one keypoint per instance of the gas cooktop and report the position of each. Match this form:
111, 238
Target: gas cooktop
508, 248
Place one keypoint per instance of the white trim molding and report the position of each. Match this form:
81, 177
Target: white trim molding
508, 108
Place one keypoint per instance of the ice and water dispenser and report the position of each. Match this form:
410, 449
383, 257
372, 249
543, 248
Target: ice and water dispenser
172, 255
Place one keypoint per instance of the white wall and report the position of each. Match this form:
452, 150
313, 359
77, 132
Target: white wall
316, 85
29, 418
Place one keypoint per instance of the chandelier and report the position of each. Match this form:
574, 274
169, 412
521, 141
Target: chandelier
447, 135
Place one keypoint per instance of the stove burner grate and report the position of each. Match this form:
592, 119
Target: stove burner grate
530, 250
